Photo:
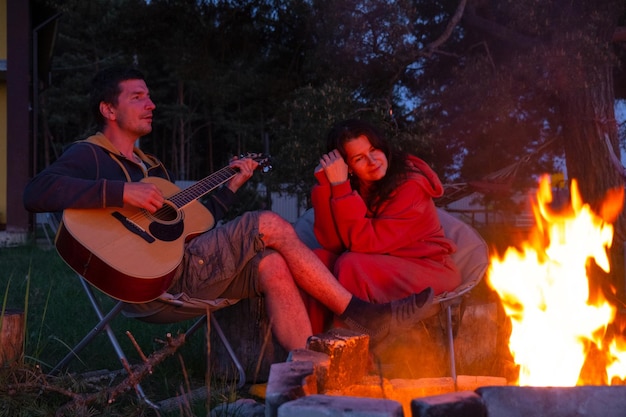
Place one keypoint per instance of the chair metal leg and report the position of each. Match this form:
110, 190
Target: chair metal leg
231, 352
96, 330
98, 309
194, 327
103, 324
451, 344
112, 338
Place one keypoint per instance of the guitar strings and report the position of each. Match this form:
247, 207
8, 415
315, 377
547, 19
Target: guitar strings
184, 197
202, 187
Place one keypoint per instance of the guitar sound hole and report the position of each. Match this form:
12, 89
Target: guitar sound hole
167, 213
168, 225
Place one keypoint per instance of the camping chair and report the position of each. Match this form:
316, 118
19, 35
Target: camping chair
104, 325
471, 257
49, 225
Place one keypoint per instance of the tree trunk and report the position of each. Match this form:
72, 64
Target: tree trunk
588, 118
182, 153
585, 88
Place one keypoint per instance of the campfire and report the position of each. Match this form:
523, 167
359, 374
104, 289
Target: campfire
558, 326
564, 333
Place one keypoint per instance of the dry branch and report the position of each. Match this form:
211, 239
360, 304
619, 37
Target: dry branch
456, 18
135, 375
617, 164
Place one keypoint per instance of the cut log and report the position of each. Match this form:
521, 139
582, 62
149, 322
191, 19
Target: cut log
247, 327
11, 337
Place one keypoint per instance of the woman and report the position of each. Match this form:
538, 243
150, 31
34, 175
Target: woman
376, 220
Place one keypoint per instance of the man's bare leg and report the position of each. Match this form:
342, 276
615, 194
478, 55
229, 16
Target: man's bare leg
312, 276
307, 269
290, 323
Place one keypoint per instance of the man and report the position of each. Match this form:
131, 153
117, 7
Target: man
256, 254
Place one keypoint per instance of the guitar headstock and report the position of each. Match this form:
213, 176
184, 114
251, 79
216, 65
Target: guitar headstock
265, 163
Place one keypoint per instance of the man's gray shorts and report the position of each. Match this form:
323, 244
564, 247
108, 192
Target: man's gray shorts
219, 268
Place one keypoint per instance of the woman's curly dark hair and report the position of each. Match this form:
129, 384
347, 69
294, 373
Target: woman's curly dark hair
397, 171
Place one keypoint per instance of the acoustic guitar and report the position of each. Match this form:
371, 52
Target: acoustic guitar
132, 254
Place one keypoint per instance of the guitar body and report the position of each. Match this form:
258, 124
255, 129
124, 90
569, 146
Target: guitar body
129, 253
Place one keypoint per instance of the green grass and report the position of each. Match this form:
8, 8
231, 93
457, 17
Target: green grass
58, 314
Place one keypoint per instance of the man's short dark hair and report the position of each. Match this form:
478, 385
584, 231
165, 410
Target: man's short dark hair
105, 87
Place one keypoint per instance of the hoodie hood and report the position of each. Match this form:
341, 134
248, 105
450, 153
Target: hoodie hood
425, 176
102, 141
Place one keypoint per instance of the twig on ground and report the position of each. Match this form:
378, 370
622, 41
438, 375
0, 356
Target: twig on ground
81, 400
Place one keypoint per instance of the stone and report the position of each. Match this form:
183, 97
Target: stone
471, 383
321, 364
513, 401
456, 404
370, 386
423, 387
241, 407
339, 406
406, 390
288, 381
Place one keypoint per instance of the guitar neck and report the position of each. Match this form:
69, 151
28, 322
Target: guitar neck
202, 187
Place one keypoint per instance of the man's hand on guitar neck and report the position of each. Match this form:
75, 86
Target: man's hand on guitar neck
143, 195
245, 168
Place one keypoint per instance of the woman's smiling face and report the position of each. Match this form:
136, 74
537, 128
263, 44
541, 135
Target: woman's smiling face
369, 164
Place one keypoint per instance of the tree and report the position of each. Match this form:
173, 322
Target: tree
357, 57
528, 70
91, 35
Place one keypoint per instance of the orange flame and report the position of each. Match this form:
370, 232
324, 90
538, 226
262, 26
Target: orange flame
544, 290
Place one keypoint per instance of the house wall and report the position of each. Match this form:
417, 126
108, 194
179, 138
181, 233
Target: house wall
15, 163
3, 116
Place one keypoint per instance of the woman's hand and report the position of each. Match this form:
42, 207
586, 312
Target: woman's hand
334, 166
